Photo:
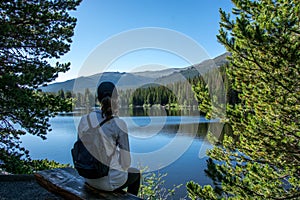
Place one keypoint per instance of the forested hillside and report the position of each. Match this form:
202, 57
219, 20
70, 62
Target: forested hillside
192, 92
170, 87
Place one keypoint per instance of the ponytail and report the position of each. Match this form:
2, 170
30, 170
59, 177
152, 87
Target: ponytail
108, 107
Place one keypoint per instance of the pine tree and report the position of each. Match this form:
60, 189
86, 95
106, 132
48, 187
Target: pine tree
261, 160
33, 33
89, 99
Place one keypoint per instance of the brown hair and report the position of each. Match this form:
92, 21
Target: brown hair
108, 97
108, 106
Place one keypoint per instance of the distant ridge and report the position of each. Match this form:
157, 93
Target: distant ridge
194, 70
137, 79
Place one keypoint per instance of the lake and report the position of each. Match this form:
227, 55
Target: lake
174, 145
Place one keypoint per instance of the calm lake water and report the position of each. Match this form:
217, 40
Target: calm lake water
174, 145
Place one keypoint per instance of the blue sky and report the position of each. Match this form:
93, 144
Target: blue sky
100, 20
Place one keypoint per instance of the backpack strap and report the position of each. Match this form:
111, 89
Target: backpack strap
105, 120
101, 123
89, 121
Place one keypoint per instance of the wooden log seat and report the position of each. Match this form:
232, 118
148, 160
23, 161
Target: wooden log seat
67, 183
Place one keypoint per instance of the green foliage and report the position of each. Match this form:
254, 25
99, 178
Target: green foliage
151, 95
14, 163
152, 187
177, 93
195, 190
32, 34
261, 160
212, 90
171, 95
202, 96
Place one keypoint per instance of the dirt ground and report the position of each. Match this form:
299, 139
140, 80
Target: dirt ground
23, 187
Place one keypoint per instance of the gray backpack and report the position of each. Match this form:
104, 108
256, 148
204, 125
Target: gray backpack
85, 163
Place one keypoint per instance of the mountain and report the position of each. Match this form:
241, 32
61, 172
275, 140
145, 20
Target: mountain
136, 79
122, 80
194, 70
158, 74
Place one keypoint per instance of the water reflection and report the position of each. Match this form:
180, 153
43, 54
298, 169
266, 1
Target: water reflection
150, 131
157, 111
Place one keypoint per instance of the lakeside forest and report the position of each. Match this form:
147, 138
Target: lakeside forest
176, 95
260, 159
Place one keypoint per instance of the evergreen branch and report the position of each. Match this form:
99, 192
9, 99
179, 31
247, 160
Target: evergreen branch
270, 74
